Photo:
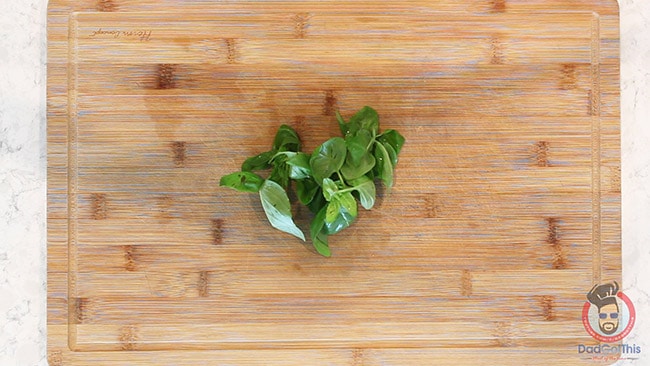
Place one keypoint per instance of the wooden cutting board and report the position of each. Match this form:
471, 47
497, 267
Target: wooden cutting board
504, 214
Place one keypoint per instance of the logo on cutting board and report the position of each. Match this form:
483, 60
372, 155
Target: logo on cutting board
608, 315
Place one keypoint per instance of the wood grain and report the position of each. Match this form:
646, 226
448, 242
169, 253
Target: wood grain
505, 210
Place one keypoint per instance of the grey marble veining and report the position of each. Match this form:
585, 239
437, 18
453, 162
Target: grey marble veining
23, 177
22, 183
635, 169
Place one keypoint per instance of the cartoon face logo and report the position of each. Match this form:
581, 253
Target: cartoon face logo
604, 298
608, 318
608, 315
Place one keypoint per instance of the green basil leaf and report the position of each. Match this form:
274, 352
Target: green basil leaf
281, 171
343, 126
367, 191
340, 213
367, 119
286, 139
348, 203
258, 162
317, 234
299, 164
342, 221
318, 202
318, 222
242, 181
384, 165
286, 155
358, 145
330, 181
321, 245
329, 189
351, 170
332, 211
391, 153
278, 208
306, 189
393, 138
327, 158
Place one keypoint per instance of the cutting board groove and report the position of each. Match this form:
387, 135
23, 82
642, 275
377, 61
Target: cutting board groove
504, 214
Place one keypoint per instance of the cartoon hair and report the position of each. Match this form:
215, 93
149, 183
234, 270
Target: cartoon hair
601, 295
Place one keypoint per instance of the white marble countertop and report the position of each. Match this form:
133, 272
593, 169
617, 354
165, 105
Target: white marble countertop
23, 177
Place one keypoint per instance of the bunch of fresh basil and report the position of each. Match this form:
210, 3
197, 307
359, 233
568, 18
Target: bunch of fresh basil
329, 181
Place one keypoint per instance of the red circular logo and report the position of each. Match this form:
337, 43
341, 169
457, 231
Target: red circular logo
591, 315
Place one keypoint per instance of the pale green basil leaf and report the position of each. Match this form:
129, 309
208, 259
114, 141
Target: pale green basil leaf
278, 208
329, 189
327, 158
367, 191
242, 181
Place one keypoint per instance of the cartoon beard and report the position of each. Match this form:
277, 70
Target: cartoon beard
608, 327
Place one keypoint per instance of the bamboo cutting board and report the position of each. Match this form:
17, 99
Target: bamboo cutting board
504, 214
